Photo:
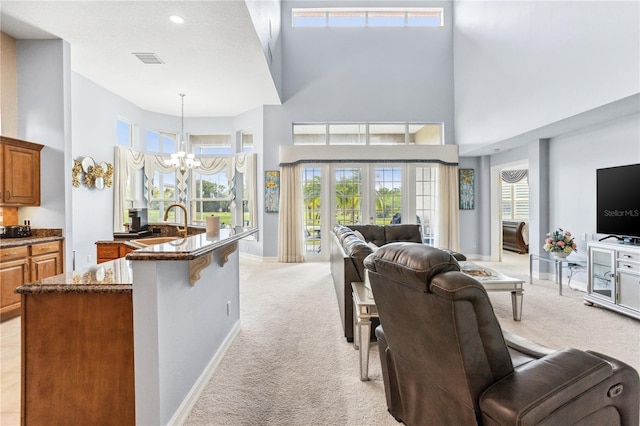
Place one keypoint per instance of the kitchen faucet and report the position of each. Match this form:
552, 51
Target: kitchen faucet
181, 231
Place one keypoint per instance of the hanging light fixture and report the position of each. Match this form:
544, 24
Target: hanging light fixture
181, 160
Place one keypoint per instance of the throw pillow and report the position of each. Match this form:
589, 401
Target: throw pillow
359, 235
373, 246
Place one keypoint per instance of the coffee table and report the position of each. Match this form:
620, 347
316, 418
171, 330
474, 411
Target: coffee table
495, 281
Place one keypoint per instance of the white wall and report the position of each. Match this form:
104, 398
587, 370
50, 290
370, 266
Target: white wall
573, 161
528, 71
524, 64
358, 75
95, 112
44, 117
253, 121
265, 15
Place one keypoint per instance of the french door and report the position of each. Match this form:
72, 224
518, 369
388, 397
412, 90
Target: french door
350, 194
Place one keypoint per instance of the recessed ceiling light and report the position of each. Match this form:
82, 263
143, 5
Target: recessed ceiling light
176, 19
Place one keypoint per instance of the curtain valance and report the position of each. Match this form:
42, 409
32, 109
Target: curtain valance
514, 176
291, 155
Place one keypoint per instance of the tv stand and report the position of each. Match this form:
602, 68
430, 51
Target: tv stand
614, 277
633, 241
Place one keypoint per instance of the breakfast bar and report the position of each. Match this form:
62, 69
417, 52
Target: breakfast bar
131, 341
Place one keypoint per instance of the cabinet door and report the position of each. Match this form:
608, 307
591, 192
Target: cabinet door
21, 176
13, 273
601, 273
45, 266
629, 290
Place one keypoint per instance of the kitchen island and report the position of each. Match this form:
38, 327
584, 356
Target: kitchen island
130, 341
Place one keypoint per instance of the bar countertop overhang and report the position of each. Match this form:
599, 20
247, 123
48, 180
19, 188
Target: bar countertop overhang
116, 276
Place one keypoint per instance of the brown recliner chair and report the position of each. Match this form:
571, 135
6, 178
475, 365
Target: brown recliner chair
445, 360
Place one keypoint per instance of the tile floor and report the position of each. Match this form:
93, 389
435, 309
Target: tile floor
10, 351
10, 372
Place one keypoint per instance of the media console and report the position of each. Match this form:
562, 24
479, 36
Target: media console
614, 277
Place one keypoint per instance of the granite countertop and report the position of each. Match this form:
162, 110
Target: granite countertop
116, 276
39, 236
191, 247
108, 277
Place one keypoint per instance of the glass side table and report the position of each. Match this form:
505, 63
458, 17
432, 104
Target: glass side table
364, 308
570, 261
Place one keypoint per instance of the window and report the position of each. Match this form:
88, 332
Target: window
162, 195
347, 18
426, 178
211, 144
309, 134
312, 202
124, 132
515, 200
367, 193
247, 141
425, 134
388, 182
387, 134
368, 134
347, 134
309, 18
367, 17
211, 197
348, 190
161, 142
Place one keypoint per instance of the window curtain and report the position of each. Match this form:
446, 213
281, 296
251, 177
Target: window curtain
290, 246
155, 163
449, 215
246, 164
125, 160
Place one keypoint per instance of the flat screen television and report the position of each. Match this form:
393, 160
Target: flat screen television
618, 202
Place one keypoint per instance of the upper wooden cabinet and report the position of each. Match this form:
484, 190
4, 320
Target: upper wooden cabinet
20, 176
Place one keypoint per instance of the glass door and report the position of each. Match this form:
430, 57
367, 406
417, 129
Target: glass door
602, 278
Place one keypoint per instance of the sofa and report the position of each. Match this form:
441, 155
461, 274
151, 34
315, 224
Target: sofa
445, 359
348, 248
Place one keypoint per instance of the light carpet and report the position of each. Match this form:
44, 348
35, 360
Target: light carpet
290, 364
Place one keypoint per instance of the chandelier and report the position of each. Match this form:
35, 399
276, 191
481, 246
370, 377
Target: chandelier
181, 160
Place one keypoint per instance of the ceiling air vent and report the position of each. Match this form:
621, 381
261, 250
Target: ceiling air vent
148, 58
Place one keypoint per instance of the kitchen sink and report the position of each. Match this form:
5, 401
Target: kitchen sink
146, 242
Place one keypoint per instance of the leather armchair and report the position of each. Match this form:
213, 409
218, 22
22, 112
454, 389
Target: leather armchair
445, 360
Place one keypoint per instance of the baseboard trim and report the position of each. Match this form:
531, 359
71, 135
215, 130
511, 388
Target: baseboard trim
183, 411
258, 258
478, 257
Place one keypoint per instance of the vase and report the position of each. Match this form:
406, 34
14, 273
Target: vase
561, 254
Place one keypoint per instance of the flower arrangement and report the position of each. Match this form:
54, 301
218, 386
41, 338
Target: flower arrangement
559, 241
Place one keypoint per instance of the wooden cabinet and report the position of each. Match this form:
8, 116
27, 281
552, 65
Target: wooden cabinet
22, 265
20, 176
46, 260
111, 251
14, 272
77, 362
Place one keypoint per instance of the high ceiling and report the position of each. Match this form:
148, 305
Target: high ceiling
215, 57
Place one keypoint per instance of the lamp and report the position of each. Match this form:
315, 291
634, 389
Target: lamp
181, 160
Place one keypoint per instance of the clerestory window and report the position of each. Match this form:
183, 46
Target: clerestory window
358, 17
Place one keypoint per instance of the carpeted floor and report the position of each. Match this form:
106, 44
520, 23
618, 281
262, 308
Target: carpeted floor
290, 364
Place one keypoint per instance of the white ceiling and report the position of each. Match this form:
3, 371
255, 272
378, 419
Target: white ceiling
215, 57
